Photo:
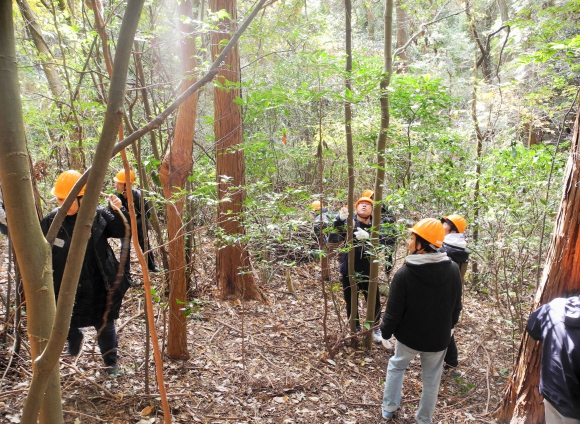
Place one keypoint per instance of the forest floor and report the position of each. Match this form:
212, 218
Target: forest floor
263, 362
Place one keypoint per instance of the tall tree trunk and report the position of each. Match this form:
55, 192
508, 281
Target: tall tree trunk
402, 34
54, 81
175, 168
476, 191
29, 244
522, 402
503, 10
350, 165
45, 364
233, 261
380, 176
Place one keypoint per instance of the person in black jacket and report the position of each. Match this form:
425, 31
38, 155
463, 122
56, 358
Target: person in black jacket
557, 326
362, 258
121, 188
99, 295
454, 244
423, 307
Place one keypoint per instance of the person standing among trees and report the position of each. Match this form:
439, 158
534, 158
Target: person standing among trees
454, 244
98, 295
390, 240
121, 188
423, 307
362, 258
557, 326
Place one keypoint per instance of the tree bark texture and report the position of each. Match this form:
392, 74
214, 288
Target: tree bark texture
28, 242
45, 364
233, 262
402, 33
522, 402
175, 168
54, 82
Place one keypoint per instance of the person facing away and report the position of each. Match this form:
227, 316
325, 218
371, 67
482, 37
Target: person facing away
121, 188
362, 258
454, 244
98, 294
321, 220
557, 326
423, 307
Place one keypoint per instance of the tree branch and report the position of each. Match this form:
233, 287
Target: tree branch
156, 122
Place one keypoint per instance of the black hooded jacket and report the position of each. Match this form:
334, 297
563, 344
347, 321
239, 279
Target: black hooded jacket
424, 305
557, 326
99, 270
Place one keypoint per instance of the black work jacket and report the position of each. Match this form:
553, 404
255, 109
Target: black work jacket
424, 305
557, 326
99, 269
137, 205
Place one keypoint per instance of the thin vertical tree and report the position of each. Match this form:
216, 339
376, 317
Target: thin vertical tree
233, 261
29, 244
522, 402
175, 168
380, 173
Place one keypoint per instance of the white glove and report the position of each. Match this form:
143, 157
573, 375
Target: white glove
387, 344
115, 201
361, 234
343, 213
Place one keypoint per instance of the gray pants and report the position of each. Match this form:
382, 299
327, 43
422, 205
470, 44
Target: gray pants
554, 417
431, 368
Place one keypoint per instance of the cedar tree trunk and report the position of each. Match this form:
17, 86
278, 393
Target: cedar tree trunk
175, 168
522, 402
233, 274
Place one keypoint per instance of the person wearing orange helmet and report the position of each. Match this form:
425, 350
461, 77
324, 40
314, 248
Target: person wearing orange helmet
387, 224
454, 244
121, 188
423, 307
98, 295
362, 257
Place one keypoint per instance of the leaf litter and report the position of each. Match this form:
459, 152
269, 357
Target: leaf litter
254, 362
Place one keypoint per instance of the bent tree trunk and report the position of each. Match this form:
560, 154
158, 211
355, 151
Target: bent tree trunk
522, 402
233, 262
175, 168
29, 243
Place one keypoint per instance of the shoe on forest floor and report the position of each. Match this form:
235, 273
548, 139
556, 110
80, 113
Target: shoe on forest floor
377, 337
450, 371
75, 348
114, 371
388, 415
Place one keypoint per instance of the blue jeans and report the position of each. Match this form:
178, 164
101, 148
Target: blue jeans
431, 368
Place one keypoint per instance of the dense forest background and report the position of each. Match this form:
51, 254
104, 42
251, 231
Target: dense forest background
482, 104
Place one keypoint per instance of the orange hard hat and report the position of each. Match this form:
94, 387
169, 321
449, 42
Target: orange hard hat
64, 184
431, 230
364, 199
368, 193
457, 220
316, 205
120, 177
